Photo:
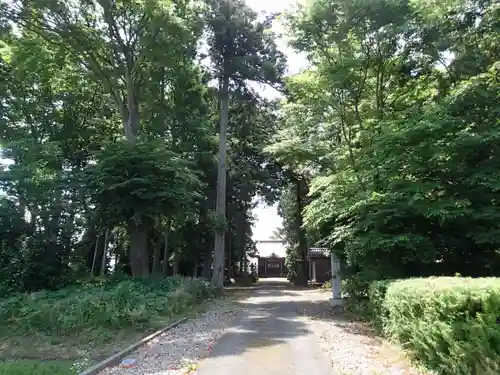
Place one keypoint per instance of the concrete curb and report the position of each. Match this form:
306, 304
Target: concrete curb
116, 358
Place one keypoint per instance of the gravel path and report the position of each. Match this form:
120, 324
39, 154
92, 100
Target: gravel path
276, 330
352, 347
269, 337
177, 351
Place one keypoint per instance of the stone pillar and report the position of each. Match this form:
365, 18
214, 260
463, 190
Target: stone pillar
336, 281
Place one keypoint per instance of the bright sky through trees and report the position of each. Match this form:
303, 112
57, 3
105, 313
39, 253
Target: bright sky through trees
267, 218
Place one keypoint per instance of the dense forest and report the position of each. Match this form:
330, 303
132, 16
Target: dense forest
110, 116
391, 138
134, 138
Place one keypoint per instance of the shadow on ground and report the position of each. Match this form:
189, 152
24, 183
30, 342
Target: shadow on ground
274, 312
287, 307
272, 328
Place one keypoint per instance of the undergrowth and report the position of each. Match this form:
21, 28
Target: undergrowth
103, 305
25, 366
85, 314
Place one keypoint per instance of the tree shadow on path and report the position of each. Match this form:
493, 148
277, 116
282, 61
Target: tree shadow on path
272, 314
283, 310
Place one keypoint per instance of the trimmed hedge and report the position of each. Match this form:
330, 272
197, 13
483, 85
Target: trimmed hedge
376, 296
451, 324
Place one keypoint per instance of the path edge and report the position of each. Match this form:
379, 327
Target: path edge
115, 358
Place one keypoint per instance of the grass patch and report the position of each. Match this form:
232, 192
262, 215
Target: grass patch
50, 331
26, 366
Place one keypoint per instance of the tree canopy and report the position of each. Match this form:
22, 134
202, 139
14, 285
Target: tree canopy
131, 152
394, 129
111, 124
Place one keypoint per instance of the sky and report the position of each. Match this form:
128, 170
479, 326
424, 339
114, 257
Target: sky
266, 217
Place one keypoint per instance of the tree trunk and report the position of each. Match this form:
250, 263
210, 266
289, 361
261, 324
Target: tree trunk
131, 125
94, 260
156, 268
234, 267
241, 236
175, 266
104, 249
139, 257
195, 268
130, 114
303, 272
165, 254
218, 264
207, 263
139, 263
229, 259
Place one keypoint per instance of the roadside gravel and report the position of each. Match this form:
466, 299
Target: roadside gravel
353, 348
177, 351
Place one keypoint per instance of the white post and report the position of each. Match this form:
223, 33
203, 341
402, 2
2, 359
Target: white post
336, 292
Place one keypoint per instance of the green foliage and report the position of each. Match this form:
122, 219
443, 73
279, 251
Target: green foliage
394, 128
72, 82
450, 324
242, 44
290, 206
36, 367
108, 305
5, 51
376, 295
144, 180
125, 52
218, 222
25, 256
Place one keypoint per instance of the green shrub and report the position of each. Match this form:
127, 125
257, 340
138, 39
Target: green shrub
112, 305
451, 324
35, 367
376, 296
